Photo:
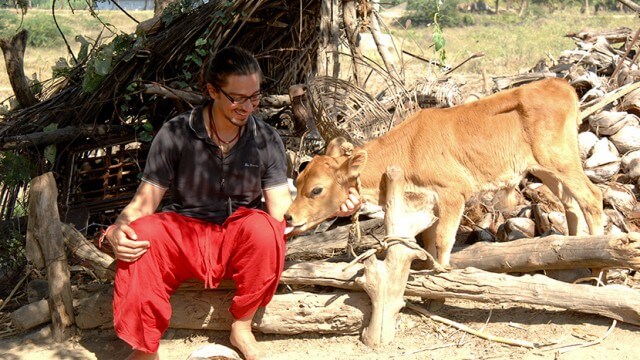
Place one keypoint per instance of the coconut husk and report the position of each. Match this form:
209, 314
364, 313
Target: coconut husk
620, 197
603, 152
603, 173
631, 103
627, 139
609, 122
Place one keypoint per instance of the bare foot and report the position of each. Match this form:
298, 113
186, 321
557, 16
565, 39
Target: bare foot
139, 355
242, 338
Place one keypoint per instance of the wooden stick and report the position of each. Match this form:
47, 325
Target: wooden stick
600, 103
6, 301
471, 331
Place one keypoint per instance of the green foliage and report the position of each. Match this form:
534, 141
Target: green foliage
438, 37
14, 169
194, 58
102, 59
42, 30
424, 12
145, 132
177, 8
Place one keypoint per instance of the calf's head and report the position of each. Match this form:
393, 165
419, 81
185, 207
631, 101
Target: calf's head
324, 185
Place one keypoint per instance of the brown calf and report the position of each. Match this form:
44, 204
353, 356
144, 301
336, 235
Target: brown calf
453, 153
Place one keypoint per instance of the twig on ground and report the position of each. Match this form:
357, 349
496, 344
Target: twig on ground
515, 342
564, 348
6, 301
422, 350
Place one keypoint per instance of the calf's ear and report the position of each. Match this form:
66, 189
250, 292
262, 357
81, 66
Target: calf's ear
356, 163
339, 147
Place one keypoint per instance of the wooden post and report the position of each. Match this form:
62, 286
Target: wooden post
349, 15
385, 281
329, 39
45, 248
376, 34
13, 51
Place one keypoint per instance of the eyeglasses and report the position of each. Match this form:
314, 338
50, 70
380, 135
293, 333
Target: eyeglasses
240, 100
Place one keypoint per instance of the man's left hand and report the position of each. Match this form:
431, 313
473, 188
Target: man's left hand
351, 205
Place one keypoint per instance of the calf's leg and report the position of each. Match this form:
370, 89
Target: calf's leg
581, 199
440, 238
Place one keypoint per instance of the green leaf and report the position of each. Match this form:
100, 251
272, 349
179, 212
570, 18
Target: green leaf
102, 66
145, 137
438, 41
50, 153
197, 61
148, 126
102, 63
50, 127
83, 54
201, 42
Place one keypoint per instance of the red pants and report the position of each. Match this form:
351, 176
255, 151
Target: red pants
248, 248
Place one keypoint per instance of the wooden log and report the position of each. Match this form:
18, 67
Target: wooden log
65, 134
613, 301
13, 51
31, 315
298, 312
552, 252
522, 255
631, 5
44, 238
327, 244
612, 36
196, 98
103, 265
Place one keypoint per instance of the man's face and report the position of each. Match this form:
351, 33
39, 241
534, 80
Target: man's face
238, 98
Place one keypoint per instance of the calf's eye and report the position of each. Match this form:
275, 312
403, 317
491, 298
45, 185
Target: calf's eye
316, 191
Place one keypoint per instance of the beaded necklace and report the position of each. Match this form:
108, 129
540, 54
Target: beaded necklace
212, 125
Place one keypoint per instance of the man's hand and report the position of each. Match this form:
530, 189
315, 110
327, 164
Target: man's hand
123, 240
350, 205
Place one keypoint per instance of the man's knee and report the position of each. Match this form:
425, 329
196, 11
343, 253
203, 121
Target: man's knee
261, 230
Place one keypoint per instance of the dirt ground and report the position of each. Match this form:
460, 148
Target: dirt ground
553, 330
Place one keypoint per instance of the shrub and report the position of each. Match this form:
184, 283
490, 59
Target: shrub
42, 30
424, 10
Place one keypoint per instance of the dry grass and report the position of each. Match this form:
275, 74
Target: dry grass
510, 46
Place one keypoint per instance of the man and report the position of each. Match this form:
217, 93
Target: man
220, 161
